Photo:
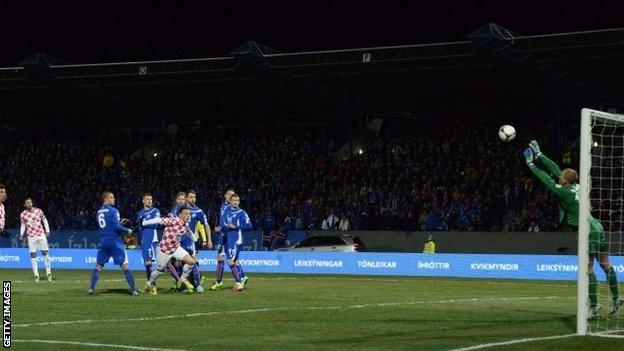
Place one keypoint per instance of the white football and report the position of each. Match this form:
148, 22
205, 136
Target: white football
506, 133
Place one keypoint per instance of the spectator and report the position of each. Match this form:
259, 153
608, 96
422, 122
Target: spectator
417, 175
344, 223
430, 246
332, 221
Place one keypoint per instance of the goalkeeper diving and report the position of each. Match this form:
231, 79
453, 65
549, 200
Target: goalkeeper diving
566, 191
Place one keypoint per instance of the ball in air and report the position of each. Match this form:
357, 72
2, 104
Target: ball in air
506, 133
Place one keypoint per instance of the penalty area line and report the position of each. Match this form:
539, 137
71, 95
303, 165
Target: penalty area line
415, 279
303, 308
111, 346
513, 342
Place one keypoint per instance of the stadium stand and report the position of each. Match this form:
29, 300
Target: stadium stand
418, 175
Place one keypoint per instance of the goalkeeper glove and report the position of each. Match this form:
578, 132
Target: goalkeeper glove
528, 157
535, 148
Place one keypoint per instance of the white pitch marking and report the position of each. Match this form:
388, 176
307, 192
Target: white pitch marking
269, 309
112, 346
406, 278
512, 342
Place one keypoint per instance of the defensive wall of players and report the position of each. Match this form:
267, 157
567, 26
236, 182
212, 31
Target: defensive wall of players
546, 267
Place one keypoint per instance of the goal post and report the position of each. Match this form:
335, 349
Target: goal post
601, 190
583, 228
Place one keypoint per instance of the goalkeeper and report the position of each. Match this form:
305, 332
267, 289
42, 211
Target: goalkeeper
566, 192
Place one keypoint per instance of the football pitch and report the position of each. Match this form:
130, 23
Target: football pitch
296, 312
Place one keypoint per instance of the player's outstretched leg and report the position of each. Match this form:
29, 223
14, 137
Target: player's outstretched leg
95, 276
616, 300
35, 265
129, 278
48, 267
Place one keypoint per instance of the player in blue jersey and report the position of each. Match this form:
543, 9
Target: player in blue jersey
110, 242
234, 221
149, 234
197, 216
218, 283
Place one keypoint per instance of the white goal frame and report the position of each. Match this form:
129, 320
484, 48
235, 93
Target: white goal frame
585, 164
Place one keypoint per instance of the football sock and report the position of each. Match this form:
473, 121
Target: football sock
195, 275
95, 276
235, 273
186, 270
593, 282
35, 266
154, 276
148, 271
240, 269
130, 279
173, 271
46, 261
220, 268
613, 283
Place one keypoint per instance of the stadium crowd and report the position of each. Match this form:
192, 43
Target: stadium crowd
416, 176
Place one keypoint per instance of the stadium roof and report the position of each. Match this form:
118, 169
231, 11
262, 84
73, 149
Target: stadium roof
509, 74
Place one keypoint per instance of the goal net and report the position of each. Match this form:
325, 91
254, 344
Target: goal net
600, 200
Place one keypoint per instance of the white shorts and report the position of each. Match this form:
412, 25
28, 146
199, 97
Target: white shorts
162, 258
37, 243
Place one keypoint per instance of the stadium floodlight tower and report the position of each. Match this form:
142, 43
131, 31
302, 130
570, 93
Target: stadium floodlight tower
601, 190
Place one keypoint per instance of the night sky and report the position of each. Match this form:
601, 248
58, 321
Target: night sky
113, 32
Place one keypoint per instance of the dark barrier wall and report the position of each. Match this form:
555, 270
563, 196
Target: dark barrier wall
89, 239
467, 242
381, 241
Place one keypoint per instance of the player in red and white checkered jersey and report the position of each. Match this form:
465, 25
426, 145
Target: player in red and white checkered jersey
35, 225
3, 196
169, 247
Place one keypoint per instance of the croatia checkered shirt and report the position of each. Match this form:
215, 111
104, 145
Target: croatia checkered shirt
2, 216
174, 229
33, 220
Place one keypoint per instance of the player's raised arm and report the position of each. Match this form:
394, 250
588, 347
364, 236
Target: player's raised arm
551, 166
167, 222
541, 175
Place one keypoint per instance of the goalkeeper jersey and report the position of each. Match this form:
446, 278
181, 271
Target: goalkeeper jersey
567, 195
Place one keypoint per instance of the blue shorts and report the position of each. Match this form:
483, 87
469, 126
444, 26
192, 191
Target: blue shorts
232, 251
221, 242
117, 251
148, 251
187, 244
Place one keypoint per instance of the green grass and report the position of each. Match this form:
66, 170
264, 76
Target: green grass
286, 312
